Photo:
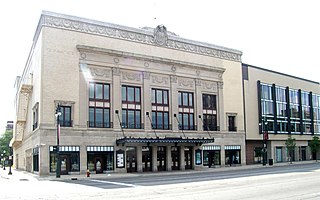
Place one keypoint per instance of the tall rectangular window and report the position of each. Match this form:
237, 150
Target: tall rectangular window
99, 105
160, 109
209, 112
295, 111
306, 115
316, 113
131, 107
282, 116
186, 111
65, 117
267, 106
35, 116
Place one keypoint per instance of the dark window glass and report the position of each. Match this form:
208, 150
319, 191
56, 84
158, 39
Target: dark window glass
99, 91
99, 114
65, 117
160, 109
137, 94
91, 90
106, 92
124, 93
153, 96
131, 114
130, 94
186, 117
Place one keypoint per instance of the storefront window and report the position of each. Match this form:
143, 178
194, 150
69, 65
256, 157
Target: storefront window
100, 158
70, 159
232, 155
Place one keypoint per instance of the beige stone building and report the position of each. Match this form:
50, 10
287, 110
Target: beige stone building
130, 99
280, 105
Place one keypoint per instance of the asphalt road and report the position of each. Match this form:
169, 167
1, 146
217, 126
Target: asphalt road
177, 178
280, 182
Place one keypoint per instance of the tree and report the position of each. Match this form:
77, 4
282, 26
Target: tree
291, 145
4, 142
314, 145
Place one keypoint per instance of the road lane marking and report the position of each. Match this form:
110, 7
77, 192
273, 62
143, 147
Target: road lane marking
115, 183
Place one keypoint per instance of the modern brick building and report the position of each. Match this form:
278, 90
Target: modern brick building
280, 105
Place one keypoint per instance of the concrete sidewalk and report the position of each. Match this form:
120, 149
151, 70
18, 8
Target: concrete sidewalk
20, 175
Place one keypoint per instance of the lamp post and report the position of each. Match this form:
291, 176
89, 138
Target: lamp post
58, 166
10, 161
4, 160
264, 130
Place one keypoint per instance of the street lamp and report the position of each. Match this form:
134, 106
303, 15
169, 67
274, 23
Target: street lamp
58, 167
4, 160
264, 130
10, 161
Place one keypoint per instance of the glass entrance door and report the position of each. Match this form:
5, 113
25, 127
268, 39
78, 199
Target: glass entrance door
161, 158
98, 163
188, 157
175, 158
64, 164
146, 159
131, 159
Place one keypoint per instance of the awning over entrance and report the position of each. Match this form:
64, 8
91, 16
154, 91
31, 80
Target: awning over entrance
164, 140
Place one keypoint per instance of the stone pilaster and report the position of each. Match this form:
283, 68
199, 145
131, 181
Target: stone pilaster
221, 116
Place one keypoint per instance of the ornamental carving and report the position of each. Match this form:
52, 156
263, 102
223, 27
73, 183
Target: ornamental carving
131, 76
212, 86
158, 37
115, 71
160, 80
185, 83
173, 79
146, 75
101, 73
198, 82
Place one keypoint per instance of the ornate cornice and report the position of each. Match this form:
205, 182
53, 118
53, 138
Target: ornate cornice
144, 36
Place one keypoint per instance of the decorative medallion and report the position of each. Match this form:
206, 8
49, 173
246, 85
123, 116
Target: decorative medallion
160, 35
116, 60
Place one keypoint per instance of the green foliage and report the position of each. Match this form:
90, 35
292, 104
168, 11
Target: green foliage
314, 145
291, 145
4, 142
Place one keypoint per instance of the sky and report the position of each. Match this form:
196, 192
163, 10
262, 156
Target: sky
279, 35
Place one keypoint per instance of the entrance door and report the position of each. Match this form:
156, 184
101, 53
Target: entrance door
188, 157
211, 159
175, 158
131, 159
146, 159
64, 164
278, 154
161, 158
98, 165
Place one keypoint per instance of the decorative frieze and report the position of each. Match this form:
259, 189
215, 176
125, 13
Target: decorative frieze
160, 80
209, 86
158, 37
188, 83
131, 76
100, 73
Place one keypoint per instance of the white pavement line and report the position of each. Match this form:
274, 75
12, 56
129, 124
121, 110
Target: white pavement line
115, 183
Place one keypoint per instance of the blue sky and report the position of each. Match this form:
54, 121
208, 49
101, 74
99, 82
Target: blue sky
278, 35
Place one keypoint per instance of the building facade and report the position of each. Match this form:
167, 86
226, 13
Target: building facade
122, 99
277, 106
